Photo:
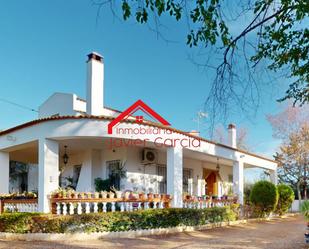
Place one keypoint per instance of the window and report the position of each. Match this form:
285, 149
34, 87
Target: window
187, 174
161, 171
113, 168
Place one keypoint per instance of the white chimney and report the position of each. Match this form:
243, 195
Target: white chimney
95, 84
232, 136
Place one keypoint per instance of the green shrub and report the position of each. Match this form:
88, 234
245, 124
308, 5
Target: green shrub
113, 221
247, 191
286, 198
102, 185
264, 198
16, 222
304, 209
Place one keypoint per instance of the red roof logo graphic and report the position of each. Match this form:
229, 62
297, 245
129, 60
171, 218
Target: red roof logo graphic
138, 105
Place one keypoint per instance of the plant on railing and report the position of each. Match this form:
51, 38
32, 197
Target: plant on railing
18, 196
64, 193
118, 193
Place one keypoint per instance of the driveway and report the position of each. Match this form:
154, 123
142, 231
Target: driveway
278, 233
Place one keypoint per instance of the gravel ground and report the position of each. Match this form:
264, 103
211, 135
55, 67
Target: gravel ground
279, 233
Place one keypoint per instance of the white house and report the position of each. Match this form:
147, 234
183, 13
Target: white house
68, 125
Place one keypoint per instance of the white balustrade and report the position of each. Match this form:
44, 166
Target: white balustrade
95, 207
71, 208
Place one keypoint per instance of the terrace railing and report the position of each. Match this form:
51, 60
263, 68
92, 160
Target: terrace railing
208, 203
64, 206
19, 205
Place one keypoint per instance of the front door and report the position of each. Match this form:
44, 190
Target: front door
211, 181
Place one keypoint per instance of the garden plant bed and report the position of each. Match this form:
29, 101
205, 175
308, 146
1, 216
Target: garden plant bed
22, 223
82, 236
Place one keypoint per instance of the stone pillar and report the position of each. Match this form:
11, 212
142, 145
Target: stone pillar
48, 172
174, 175
5, 172
274, 176
91, 169
238, 180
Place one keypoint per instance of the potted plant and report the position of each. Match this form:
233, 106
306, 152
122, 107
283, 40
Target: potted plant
82, 195
96, 195
127, 195
89, 195
104, 194
150, 195
111, 194
76, 194
141, 195
70, 193
118, 193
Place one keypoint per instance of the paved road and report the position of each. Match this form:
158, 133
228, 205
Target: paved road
285, 233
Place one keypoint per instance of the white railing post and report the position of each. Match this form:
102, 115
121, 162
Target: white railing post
87, 207
64, 208
104, 207
113, 207
121, 207
71, 208
95, 207
58, 208
79, 208
146, 205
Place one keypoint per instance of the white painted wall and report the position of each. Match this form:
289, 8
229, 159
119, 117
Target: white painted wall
48, 172
33, 176
5, 172
139, 177
58, 104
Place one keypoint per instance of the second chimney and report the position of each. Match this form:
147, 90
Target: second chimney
232, 141
95, 84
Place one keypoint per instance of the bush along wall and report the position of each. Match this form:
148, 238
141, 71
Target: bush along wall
264, 198
113, 221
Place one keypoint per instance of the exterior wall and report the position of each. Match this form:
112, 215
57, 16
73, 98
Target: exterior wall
64, 104
139, 177
57, 104
33, 175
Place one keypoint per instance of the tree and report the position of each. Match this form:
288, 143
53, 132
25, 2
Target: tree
271, 34
289, 120
293, 159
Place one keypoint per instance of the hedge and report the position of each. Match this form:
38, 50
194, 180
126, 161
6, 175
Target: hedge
113, 221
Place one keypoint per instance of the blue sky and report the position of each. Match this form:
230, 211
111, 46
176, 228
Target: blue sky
43, 48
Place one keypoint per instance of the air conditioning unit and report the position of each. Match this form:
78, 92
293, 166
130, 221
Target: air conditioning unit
149, 156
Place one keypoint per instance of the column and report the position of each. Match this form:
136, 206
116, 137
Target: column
174, 175
48, 172
238, 180
273, 176
5, 172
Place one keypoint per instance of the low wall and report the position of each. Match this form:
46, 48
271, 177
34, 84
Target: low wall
112, 235
295, 206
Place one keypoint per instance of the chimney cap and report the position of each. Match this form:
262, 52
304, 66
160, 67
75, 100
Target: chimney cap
232, 126
95, 56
